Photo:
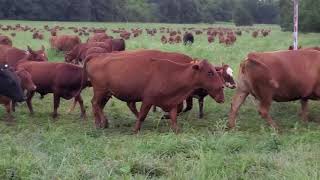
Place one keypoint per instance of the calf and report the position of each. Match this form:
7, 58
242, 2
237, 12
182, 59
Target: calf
280, 76
62, 79
10, 84
122, 77
26, 84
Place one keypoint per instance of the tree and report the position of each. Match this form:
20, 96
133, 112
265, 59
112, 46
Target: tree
242, 17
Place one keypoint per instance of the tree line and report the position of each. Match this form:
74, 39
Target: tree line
242, 12
171, 11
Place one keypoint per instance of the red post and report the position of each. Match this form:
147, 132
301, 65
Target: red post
295, 23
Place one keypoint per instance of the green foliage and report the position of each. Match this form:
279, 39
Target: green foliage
242, 17
172, 11
309, 15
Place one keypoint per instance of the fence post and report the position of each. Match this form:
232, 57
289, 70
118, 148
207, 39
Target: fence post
295, 23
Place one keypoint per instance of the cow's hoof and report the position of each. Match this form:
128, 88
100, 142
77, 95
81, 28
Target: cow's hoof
54, 115
83, 117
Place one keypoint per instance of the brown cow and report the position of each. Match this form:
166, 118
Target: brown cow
79, 52
121, 76
26, 84
11, 55
98, 37
280, 76
62, 79
64, 42
5, 40
224, 71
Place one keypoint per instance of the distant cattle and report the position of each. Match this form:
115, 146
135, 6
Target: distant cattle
280, 76
12, 56
64, 42
188, 38
62, 79
5, 40
121, 76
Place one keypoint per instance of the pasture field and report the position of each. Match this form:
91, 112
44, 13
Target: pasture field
36, 147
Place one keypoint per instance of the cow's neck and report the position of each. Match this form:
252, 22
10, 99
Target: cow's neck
184, 84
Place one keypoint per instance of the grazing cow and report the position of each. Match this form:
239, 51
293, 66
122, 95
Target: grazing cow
255, 34
5, 40
10, 84
62, 79
280, 76
64, 42
210, 39
78, 53
188, 38
121, 76
26, 84
164, 39
11, 55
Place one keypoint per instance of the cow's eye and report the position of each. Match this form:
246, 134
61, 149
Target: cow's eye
210, 74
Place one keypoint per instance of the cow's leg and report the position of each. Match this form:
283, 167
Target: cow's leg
201, 99
83, 110
173, 117
8, 109
133, 108
304, 110
98, 102
13, 106
264, 108
189, 102
237, 101
29, 101
144, 110
73, 106
56, 103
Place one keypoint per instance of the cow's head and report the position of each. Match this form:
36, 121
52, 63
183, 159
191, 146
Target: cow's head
26, 80
10, 84
39, 55
226, 73
208, 78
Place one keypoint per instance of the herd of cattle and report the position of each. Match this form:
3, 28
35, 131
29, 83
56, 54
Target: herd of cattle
103, 64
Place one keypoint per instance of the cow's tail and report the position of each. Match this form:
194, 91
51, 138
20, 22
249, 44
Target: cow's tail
84, 76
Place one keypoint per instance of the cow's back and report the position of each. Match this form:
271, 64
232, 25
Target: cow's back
292, 74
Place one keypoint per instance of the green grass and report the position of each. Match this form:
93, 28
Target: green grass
38, 148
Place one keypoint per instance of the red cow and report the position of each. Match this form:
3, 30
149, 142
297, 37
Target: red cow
280, 76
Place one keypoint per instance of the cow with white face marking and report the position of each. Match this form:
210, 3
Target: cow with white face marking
226, 73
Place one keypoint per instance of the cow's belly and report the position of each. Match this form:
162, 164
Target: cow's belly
127, 96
